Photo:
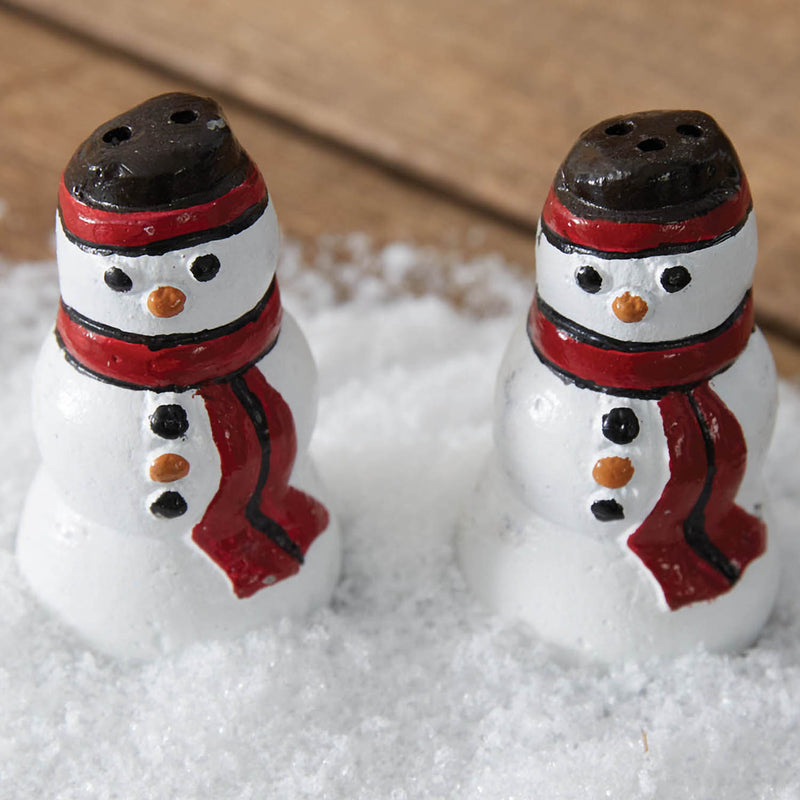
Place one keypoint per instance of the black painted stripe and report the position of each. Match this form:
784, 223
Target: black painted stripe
242, 222
255, 516
173, 387
568, 247
165, 341
590, 337
694, 531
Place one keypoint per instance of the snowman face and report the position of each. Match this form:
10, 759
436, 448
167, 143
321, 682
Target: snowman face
653, 299
182, 291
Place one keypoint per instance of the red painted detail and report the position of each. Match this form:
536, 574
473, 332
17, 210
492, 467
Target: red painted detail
183, 365
631, 237
660, 542
140, 228
248, 557
650, 369
741, 537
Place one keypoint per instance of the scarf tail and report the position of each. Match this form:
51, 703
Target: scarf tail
696, 541
256, 528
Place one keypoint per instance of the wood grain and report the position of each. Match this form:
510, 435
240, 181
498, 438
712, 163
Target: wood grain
57, 90
481, 100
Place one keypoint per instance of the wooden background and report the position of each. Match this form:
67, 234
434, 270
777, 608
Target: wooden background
435, 121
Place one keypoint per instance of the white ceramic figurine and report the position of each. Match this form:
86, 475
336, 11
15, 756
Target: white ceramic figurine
175, 401
621, 514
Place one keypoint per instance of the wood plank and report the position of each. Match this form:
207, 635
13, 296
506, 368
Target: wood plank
482, 99
317, 190
60, 90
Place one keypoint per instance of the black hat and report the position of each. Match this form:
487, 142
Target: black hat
167, 169
646, 175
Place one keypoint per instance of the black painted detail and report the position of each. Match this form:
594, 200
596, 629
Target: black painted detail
653, 166
568, 247
694, 531
620, 425
117, 279
165, 341
169, 505
178, 242
589, 279
673, 279
205, 268
588, 336
607, 510
137, 162
169, 421
255, 516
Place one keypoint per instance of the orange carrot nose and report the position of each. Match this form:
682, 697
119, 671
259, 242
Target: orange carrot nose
629, 308
166, 301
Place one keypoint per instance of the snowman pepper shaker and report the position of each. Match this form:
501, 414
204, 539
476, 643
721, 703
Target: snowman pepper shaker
175, 402
621, 514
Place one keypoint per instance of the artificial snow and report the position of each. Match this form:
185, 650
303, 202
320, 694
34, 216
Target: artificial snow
405, 687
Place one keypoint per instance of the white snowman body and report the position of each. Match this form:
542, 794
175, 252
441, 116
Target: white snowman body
529, 544
130, 582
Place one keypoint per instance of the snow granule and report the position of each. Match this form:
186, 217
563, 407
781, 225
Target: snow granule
405, 687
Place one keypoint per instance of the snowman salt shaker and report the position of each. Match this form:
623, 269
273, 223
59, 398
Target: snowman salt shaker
174, 403
621, 514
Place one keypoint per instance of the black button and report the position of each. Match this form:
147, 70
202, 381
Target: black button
620, 425
607, 510
169, 421
169, 505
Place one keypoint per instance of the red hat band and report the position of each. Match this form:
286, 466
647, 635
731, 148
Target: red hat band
611, 236
140, 230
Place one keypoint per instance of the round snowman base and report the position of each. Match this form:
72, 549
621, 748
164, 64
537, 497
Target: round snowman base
138, 596
593, 598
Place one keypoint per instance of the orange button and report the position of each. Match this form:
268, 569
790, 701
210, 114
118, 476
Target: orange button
169, 467
613, 472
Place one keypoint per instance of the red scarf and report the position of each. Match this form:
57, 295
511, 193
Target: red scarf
256, 527
696, 541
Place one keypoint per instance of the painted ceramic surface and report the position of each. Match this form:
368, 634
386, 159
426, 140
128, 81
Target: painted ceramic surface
622, 512
246, 268
175, 401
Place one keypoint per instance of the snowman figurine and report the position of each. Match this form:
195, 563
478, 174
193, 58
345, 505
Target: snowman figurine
174, 403
621, 514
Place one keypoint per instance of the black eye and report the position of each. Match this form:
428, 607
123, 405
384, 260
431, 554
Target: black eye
589, 279
204, 268
117, 280
673, 279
